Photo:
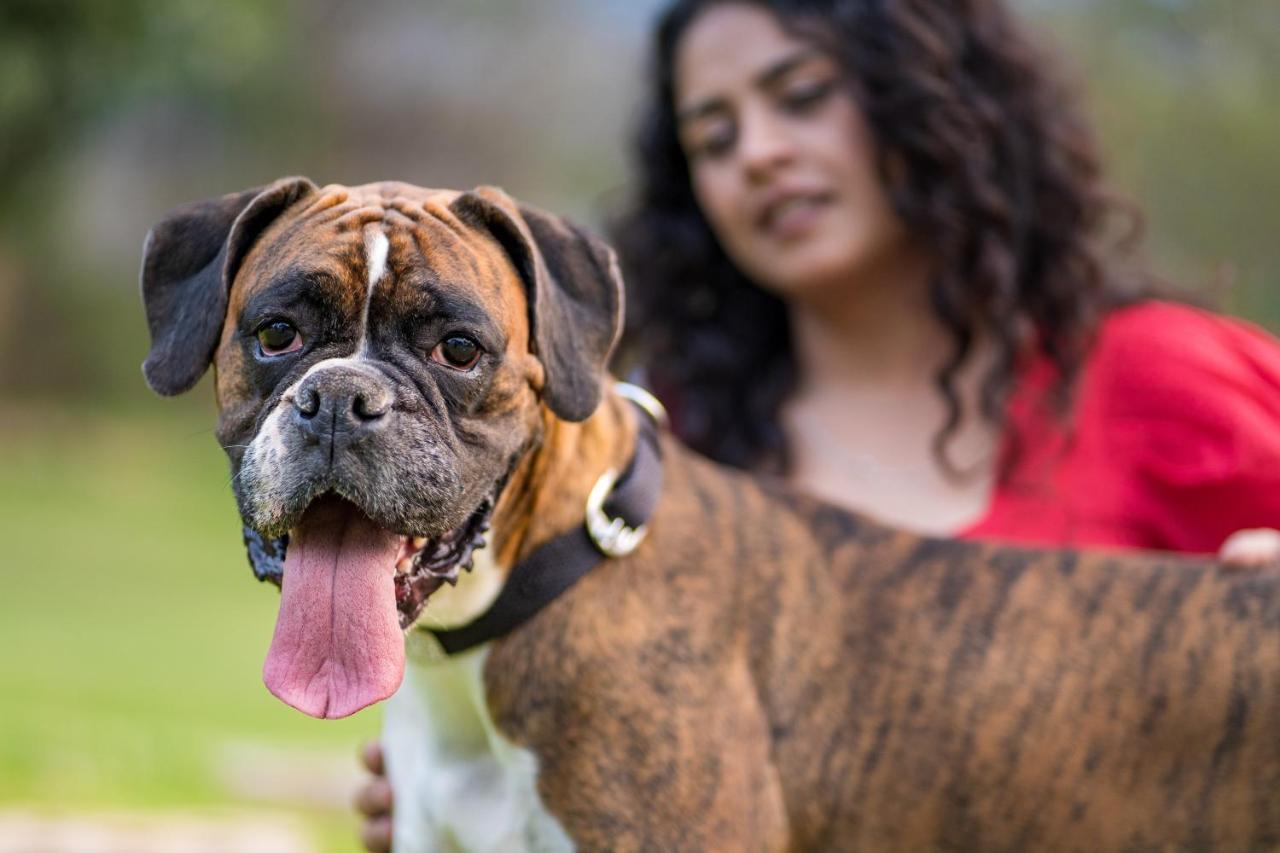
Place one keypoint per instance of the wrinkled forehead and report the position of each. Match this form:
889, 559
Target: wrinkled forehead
356, 244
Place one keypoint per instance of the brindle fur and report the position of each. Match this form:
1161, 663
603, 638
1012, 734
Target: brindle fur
769, 673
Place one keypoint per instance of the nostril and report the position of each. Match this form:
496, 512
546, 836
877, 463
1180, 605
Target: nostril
370, 407
307, 402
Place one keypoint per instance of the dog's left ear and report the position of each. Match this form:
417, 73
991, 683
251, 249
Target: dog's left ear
575, 294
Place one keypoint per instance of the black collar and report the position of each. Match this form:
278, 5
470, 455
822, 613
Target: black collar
613, 527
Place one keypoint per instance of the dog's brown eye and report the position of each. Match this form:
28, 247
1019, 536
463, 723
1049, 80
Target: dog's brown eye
456, 351
278, 338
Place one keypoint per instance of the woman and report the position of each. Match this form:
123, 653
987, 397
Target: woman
870, 253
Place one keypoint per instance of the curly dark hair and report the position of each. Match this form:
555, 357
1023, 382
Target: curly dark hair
993, 167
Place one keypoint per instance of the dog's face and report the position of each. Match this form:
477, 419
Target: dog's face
382, 355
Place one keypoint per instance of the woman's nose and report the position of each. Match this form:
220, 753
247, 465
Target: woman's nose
764, 143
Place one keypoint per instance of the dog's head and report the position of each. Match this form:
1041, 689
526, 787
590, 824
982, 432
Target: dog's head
383, 355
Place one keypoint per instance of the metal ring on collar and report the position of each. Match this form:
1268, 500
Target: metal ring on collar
644, 399
611, 535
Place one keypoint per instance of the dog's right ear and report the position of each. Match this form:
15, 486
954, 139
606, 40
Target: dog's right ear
189, 260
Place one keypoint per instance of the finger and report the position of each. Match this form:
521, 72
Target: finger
375, 799
371, 757
1251, 549
375, 835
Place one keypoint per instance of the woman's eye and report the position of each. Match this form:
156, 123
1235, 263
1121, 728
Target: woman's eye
712, 141
456, 351
804, 95
278, 338
714, 146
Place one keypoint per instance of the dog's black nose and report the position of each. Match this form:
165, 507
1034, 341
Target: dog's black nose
342, 405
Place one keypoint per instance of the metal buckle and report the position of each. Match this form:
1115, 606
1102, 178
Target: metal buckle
641, 397
610, 535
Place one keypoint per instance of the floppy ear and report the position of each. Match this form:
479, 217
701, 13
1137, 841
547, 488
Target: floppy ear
188, 263
575, 294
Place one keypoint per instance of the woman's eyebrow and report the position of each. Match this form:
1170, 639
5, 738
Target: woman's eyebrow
786, 65
766, 78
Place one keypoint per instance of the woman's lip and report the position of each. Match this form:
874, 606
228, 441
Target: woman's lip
792, 216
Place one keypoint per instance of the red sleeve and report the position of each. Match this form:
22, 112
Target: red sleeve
1194, 398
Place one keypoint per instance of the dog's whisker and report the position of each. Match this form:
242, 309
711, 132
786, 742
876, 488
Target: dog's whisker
200, 433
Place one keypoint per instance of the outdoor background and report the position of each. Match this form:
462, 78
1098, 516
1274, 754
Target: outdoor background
131, 631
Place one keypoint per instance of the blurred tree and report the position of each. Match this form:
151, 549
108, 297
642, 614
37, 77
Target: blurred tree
65, 64
110, 112
1184, 93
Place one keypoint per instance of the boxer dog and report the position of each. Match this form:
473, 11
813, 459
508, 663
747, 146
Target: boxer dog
406, 375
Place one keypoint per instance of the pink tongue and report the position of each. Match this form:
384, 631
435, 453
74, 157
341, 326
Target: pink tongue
338, 646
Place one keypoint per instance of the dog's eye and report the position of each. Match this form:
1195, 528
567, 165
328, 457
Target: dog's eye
278, 338
457, 351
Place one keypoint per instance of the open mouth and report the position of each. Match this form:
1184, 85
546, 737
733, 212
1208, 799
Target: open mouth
349, 588
423, 565
792, 213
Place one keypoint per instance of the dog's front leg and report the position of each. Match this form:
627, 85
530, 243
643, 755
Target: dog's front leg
459, 784
689, 770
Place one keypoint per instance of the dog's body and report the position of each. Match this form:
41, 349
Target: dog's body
763, 671
766, 672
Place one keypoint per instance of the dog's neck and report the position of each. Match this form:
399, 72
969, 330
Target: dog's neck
548, 490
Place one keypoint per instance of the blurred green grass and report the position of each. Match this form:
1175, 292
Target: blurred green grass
132, 629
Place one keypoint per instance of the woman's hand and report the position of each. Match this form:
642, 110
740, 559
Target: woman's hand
374, 801
1251, 549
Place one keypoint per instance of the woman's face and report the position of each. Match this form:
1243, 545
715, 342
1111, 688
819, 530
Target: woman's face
781, 161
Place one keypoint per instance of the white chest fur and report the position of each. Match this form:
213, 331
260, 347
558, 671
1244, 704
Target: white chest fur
459, 784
